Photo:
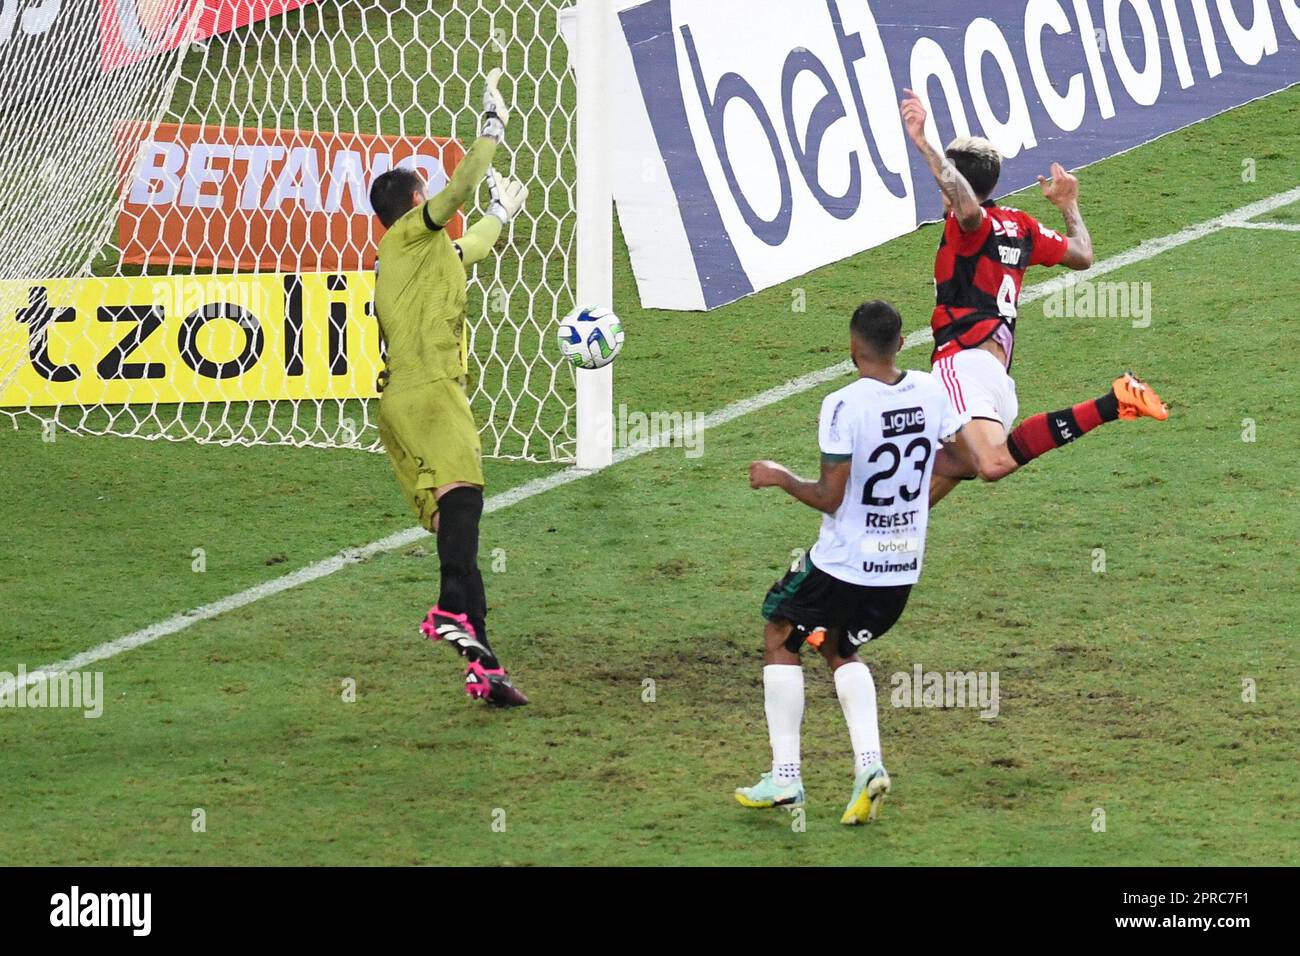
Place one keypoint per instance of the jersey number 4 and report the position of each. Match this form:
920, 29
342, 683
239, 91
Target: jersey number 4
917, 453
1007, 297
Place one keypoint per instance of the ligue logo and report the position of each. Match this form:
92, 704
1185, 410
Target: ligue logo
902, 421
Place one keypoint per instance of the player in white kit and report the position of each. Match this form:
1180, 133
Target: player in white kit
878, 439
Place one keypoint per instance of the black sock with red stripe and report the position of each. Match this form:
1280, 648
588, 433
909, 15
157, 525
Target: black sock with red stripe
1041, 433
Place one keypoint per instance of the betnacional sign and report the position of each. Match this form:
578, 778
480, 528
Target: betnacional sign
757, 140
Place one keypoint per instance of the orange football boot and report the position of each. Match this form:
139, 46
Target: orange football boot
1138, 400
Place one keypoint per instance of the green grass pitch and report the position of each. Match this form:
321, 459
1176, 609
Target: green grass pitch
1121, 691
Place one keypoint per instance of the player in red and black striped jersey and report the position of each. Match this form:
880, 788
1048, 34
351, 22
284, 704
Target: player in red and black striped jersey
978, 273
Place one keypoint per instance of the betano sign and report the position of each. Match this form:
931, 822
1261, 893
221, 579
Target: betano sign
263, 199
761, 139
191, 339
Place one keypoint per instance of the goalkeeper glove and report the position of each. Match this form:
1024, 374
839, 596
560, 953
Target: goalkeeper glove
495, 111
508, 197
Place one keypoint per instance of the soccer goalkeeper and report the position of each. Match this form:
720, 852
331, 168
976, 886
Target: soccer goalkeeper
425, 421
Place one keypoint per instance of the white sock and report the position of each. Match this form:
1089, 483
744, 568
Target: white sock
857, 693
783, 702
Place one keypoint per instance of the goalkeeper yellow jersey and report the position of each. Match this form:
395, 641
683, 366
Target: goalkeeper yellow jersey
420, 294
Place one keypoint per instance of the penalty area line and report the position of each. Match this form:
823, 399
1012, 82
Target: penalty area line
1149, 249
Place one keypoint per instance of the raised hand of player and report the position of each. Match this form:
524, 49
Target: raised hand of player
496, 112
914, 116
508, 195
767, 474
1062, 189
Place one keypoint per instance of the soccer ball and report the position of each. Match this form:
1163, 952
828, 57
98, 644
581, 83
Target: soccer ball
590, 337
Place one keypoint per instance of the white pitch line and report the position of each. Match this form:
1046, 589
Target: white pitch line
1153, 247
1281, 226
530, 489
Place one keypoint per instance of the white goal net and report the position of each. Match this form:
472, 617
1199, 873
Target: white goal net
186, 250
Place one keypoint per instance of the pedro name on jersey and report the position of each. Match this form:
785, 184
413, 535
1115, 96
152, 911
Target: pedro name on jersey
978, 275
891, 432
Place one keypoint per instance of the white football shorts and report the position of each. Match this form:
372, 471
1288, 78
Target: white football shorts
979, 386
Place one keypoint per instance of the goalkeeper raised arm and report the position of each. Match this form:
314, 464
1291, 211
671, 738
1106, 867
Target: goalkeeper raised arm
425, 421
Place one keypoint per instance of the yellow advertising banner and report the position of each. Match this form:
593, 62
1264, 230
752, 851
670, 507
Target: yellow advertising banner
164, 339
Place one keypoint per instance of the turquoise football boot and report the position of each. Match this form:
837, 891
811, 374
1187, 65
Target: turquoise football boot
869, 790
769, 793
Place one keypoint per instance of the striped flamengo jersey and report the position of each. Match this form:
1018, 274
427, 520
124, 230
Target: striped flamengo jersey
977, 277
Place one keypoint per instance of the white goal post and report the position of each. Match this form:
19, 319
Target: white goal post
595, 387
210, 278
